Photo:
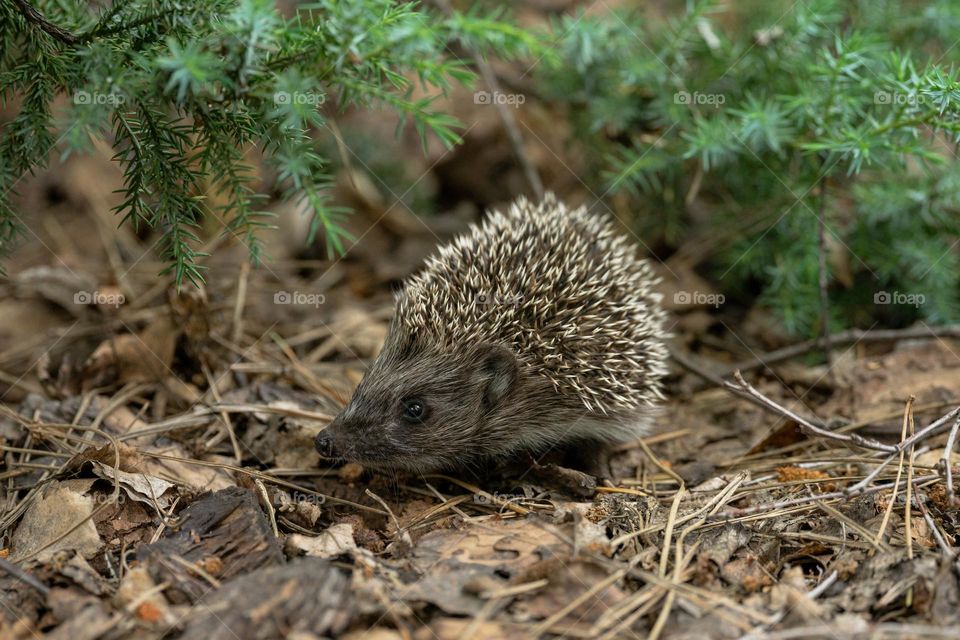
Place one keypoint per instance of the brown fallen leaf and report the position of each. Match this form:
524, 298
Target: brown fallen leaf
142, 357
787, 434
48, 520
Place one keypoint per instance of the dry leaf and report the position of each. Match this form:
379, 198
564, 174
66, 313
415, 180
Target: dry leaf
336, 540
144, 357
49, 518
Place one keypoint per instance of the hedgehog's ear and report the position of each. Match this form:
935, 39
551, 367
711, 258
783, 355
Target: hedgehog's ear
499, 369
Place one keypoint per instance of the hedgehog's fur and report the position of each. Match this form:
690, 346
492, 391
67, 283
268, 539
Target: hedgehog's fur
537, 328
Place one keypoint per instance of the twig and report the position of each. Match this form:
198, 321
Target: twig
659, 464
480, 492
908, 523
263, 476
947, 465
668, 532
592, 592
825, 584
685, 361
865, 534
822, 279
267, 505
715, 503
237, 329
33, 16
929, 430
806, 426
506, 116
893, 496
948, 551
688, 363
679, 563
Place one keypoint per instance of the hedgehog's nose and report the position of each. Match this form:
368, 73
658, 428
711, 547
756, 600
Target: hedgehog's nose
324, 445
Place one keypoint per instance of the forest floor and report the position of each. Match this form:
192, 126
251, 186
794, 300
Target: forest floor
159, 477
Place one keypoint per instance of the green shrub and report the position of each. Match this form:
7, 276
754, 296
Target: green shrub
182, 89
842, 112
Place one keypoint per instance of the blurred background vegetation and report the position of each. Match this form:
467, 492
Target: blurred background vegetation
794, 157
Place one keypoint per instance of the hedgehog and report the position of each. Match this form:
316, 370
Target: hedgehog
538, 329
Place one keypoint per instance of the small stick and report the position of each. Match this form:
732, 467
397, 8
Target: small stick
825, 584
668, 533
806, 426
509, 122
237, 332
715, 502
947, 466
908, 523
896, 483
386, 507
948, 551
660, 465
929, 429
685, 361
822, 279
227, 424
267, 505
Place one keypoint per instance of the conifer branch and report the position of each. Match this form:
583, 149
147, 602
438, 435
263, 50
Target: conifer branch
34, 17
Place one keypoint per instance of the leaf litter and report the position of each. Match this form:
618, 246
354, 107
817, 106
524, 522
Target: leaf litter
159, 480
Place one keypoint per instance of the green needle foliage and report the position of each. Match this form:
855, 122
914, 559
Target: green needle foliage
181, 90
772, 119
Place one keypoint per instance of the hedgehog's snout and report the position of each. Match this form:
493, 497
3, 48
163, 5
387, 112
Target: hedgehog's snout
328, 442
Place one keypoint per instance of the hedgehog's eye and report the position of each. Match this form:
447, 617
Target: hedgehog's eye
414, 410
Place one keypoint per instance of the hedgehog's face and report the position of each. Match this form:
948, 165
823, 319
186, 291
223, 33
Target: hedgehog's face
421, 409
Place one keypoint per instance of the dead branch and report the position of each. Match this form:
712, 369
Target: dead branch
742, 387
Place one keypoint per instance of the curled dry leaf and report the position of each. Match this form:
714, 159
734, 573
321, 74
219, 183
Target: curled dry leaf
139, 486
